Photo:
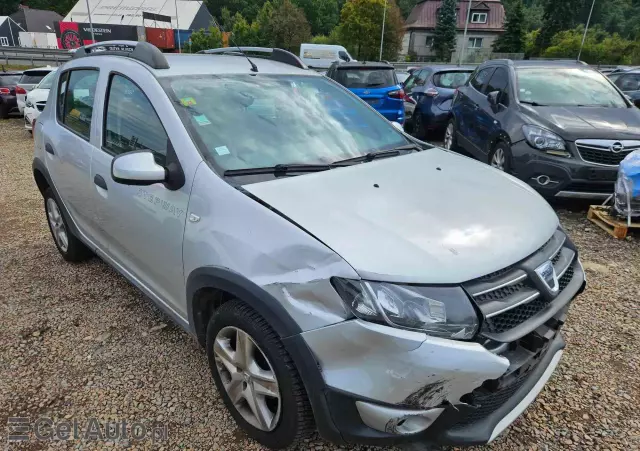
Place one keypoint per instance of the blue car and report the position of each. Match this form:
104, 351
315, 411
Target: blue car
429, 93
373, 82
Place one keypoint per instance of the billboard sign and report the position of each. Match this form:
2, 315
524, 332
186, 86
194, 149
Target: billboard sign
71, 35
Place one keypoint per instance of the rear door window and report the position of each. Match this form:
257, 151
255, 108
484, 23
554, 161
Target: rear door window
450, 79
33, 77
77, 103
366, 78
480, 79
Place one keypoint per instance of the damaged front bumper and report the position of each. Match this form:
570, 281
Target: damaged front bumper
385, 386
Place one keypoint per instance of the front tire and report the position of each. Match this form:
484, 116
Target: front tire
257, 378
70, 247
500, 157
419, 130
450, 136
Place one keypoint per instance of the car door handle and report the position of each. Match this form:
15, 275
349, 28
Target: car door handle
99, 181
49, 149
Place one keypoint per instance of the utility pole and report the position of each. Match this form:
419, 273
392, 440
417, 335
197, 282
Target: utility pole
178, 29
93, 38
464, 36
384, 16
584, 36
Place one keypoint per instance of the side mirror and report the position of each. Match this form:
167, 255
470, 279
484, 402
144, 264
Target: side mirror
398, 126
494, 98
137, 168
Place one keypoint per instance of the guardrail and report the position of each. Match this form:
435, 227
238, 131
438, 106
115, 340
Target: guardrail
27, 56
34, 50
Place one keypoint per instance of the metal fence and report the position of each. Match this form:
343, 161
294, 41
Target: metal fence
25, 56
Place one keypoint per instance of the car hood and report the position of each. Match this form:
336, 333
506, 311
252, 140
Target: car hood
587, 122
428, 217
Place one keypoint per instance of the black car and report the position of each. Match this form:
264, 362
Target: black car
8, 103
428, 96
629, 83
560, 126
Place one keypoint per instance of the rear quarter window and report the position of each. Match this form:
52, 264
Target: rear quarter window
366, 78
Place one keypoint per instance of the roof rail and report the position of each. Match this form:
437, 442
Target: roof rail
282, 56
144, 52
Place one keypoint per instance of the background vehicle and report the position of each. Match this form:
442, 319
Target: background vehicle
430, 92
402, 76
629, 83
321, 56
29, 80
37, 100
287, 310
8, 83
375, 83
560, 126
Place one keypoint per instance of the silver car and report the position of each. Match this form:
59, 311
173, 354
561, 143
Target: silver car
340, 275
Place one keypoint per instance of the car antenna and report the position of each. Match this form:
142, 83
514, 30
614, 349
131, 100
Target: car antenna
254, 68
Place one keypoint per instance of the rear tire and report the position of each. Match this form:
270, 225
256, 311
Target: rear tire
70, 247
283, 420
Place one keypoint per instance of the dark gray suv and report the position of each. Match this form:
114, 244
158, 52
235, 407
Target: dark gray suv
560, 126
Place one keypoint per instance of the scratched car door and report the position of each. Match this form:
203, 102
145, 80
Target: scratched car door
143, 225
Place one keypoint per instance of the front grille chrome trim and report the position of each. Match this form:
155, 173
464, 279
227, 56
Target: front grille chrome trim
502, 285
511, 307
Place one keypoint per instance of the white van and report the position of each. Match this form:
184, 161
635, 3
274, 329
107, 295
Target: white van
320, 56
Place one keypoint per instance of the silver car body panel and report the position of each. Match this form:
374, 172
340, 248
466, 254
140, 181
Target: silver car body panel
428, 217
401, 366
239, 234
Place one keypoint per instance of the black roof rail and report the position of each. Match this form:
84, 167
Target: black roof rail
144, 52
282, 56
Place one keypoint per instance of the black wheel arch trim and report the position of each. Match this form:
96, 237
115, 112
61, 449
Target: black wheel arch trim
40, 168
225, 279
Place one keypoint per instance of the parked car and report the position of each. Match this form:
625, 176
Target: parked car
429, 93
402, 76
8, 84
321, 56
29, 80
560, 126
37, 100
373, 82
326, 261
629, 83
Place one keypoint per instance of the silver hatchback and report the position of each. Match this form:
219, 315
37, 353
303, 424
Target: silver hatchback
341, 275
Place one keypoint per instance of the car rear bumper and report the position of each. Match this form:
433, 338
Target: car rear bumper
9, 104
554, 176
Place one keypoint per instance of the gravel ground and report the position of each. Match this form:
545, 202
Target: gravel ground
77, 341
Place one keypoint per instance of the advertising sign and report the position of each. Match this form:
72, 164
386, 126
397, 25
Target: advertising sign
72, 35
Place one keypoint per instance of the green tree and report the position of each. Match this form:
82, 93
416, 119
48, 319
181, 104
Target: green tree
204, 39
444, 38
260, 26
8, 7
557, 16
512, 40
287, 27
226, 19
242, 32
323, 15
361, 27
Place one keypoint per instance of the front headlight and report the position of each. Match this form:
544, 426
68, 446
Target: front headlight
29, 104
542, 139
443, 312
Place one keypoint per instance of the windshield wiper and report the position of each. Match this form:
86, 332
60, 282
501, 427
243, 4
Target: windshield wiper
527, 102
382, 153
281, 169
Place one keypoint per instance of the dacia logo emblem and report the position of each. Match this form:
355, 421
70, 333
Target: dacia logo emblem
547, 274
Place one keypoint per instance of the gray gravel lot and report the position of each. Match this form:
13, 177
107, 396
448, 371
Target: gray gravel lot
78, 341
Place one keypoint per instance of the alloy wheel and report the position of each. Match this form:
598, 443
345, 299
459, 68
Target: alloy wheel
248, 378
498, 159
448, 137
56, 222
